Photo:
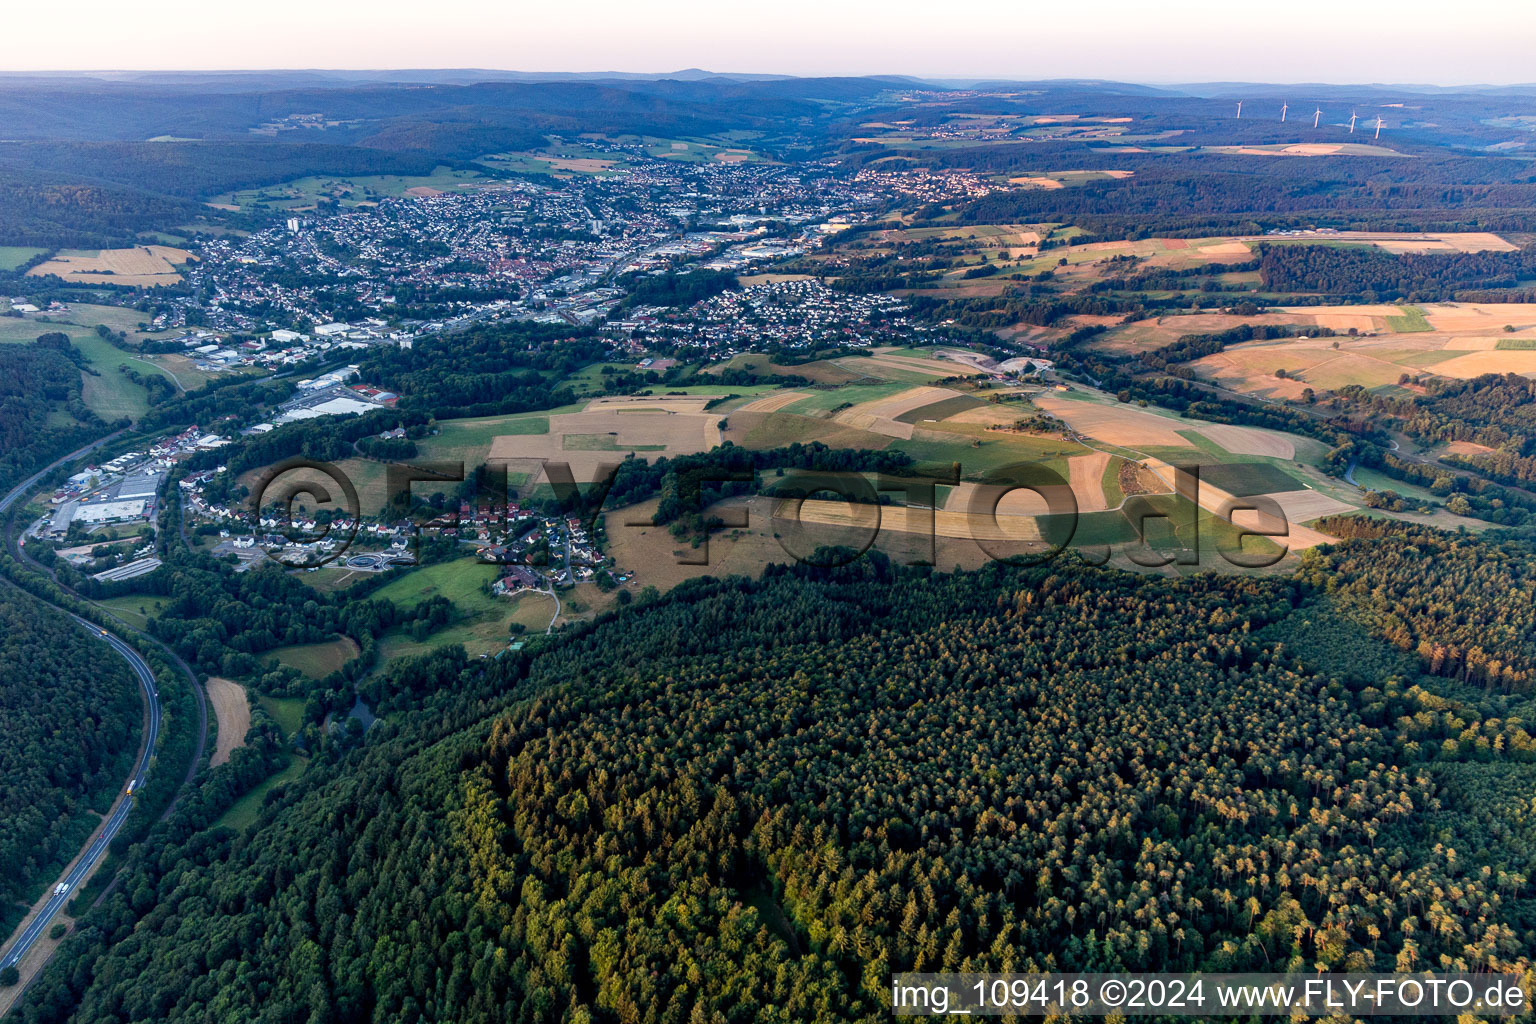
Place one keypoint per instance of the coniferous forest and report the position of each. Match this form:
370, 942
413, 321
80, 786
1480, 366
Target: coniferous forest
1011, 769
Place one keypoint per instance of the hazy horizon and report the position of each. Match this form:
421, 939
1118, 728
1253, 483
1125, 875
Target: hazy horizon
1186, 41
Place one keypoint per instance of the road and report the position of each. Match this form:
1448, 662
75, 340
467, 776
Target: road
115, 818
30, 482
123, 806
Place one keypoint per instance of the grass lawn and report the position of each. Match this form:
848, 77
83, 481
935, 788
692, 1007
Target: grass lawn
470, 439
459, 581
135, 609
481, 625
1373, 480
898, 375
314, 660
13, 256
942, 409
1411, 322
589, 381
1248, 478
851, 394
242, 813
14, 330
304, 193
112, 394
995, 450
287, 712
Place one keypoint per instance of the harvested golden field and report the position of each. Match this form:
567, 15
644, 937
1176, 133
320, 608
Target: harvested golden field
1467, 448
1114, 424
1225, 249
1479, 317
1252, 369
1215, 500
1475, 364
1304, 506
610, 428
776, 429
874, 424
1155, 332
233, 713
880, 415
1250, 440
581, 165
1086, 477
1014, 521
661, 561
773, 402
935, 369
146, 266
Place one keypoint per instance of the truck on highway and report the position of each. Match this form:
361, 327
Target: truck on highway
61, 889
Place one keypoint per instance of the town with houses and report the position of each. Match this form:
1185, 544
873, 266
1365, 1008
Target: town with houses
316, 288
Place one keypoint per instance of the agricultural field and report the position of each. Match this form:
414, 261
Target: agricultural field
565, 160
110, 393
287, 712
1313, 149
480, 625
608, 428
232, 711
145, 266
315, 660
1454, 340
107, 392
134, 609
305, 194
13, 256
698, 151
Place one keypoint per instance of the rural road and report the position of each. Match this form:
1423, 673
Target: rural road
120, 810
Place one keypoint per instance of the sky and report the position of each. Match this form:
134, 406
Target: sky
1156, 41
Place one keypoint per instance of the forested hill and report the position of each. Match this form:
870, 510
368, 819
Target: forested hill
752, 800
69, 721
42, 415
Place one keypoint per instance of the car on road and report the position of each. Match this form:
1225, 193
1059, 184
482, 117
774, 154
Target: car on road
61, 889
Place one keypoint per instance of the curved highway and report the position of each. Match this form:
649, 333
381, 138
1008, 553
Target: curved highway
64, 888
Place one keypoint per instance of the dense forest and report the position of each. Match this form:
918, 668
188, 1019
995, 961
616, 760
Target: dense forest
1000, 770
1374, 275
41, 413
69, 720
1204, 195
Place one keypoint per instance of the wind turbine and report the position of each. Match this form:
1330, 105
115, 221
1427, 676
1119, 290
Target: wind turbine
1352, 118
1283, 108
1378, 126
1239, 110
1317, 117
